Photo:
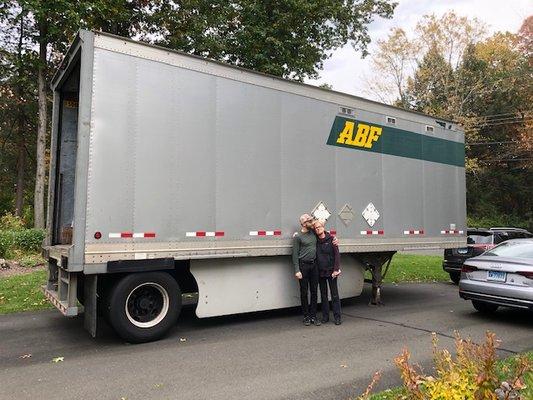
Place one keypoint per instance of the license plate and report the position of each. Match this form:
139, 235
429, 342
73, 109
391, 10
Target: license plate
496, 276
462, 251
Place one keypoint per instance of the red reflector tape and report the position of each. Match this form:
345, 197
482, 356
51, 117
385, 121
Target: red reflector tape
414, 232
380, 232
265, 233
127, 235
204, 234
451, 232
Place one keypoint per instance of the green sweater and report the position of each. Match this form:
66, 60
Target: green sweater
303, 248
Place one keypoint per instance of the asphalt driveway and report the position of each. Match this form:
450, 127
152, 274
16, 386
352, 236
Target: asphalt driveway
258, 356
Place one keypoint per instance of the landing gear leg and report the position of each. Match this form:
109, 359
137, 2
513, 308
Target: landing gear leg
374, 263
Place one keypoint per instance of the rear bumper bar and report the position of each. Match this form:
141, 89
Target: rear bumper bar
62, 306
499, 300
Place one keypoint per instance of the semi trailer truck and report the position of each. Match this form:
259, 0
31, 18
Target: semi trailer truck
176, 179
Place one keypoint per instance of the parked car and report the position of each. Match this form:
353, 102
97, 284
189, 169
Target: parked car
478, 241
502, 276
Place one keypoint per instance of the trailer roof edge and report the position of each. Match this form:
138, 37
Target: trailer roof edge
81, 33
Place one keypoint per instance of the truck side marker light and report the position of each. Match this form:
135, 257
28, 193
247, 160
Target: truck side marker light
204, 234
372, 232
265, 233
414, 232
98, 235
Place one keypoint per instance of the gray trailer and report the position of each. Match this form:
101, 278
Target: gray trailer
179, 179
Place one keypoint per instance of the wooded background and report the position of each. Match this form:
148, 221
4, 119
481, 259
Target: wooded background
449, 68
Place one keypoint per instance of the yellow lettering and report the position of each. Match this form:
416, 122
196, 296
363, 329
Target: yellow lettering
362, 133
373, 136
345, 136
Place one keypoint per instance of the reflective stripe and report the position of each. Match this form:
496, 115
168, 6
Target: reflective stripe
204, 234
265, 233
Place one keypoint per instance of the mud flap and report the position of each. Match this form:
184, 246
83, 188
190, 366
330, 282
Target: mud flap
240, 285
90, 304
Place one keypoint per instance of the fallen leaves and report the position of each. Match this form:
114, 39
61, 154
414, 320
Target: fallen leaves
58, 359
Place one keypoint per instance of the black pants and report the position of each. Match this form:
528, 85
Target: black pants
309, 282
335, 299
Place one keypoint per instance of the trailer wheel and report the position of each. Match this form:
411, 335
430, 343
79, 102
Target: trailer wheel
143, 307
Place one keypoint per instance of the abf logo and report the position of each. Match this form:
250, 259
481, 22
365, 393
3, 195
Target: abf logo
365, 137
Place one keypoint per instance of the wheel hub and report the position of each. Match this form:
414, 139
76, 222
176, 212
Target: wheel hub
147, 305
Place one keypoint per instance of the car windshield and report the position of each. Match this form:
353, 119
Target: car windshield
520, 249
479, 239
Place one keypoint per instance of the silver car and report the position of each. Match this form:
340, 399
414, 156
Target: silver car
502, 276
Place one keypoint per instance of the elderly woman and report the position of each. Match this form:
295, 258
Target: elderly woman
328, 259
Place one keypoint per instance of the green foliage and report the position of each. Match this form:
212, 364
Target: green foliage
29, 239
499, 220
6, 243
23, 293
11, 222
284, 38
24, 240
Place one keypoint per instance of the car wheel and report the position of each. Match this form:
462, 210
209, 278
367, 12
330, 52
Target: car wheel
485, 308
143, 307
455, 277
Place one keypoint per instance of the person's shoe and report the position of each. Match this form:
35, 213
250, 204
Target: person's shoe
316, 322
338, 321
325, 320
307, 321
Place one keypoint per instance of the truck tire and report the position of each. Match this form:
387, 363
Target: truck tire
485, 308
142, 307
455, 277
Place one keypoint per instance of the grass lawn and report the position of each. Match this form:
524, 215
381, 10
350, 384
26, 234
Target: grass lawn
416, 268
23, 293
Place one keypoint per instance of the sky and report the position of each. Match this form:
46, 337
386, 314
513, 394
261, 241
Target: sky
346, 70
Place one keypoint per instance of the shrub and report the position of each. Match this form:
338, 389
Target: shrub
29, 239
10, 222
6, 243
472, 375
24, 240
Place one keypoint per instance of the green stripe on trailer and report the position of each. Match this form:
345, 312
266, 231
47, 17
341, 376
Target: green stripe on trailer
360, 135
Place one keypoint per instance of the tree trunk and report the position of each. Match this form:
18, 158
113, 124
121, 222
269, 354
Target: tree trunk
21, 143
21, 166
41, 135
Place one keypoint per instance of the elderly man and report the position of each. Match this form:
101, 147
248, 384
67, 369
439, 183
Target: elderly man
305, 268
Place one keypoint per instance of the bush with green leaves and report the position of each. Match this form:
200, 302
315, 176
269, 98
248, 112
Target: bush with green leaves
10, 222
29, 239
24, 240
6, 243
